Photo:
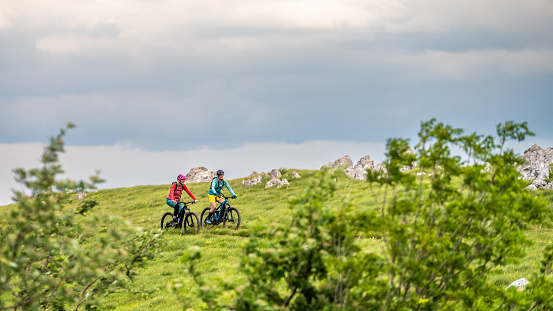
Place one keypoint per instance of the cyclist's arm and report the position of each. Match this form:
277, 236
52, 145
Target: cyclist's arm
229, 188
189, 193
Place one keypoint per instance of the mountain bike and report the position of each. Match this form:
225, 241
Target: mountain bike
190, 219
223, 214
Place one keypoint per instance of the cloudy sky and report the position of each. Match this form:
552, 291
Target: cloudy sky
158, 87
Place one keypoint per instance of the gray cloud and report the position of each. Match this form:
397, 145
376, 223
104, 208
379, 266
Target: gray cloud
165, 76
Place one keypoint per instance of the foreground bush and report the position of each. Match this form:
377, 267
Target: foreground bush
445, 230
47, 257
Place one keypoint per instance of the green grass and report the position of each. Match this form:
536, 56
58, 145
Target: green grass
143, 207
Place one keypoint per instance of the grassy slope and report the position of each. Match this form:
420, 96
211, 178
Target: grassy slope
143, 206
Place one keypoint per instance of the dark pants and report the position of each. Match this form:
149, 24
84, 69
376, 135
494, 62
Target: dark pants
175, 206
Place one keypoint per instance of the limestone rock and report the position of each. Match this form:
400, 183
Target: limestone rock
272, 182
365, 161
200, 174
539, 182
537, 163
341, 162
359, 171
250, 182
295, 174
277, 182
283, 182
380, 167
275, 173
519, 284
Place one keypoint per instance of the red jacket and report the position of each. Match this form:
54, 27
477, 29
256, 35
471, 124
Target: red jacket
176, 192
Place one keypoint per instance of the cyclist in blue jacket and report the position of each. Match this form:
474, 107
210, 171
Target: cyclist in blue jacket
214, 194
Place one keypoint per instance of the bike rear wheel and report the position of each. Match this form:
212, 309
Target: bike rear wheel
203, 217
191, 224
233, 218
166, 219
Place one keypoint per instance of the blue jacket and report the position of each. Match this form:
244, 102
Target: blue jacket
217, 186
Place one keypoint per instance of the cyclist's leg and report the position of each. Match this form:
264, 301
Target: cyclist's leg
213, 202
212, 210
174, 206
220, 200
170, 203
176, 209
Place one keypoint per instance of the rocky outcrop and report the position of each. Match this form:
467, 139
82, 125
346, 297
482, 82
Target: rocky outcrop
200, 174
380, 167
537, 163
251, 182
271, 183
359, 171
275, 173
537, 166
276, 182
283, 182
255, 178
343, 162
519, 284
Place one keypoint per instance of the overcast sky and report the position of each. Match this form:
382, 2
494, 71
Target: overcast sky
158, 87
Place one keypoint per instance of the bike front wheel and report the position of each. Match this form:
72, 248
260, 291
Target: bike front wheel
232, 218
191, 223
166, 219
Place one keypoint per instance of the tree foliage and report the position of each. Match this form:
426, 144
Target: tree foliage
443, 241
47, 257
446, 225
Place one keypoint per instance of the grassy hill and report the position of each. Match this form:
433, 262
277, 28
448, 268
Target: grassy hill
143, 207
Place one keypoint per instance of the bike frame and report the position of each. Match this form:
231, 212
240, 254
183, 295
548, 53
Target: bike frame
220, 210
183, 210
221, 214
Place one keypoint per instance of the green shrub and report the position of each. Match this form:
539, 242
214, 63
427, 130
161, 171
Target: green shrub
443, 230
54, 257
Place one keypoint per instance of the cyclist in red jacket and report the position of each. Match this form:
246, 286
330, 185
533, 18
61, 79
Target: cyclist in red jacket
173, 199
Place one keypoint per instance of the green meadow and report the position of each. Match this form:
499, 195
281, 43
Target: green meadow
143, 206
